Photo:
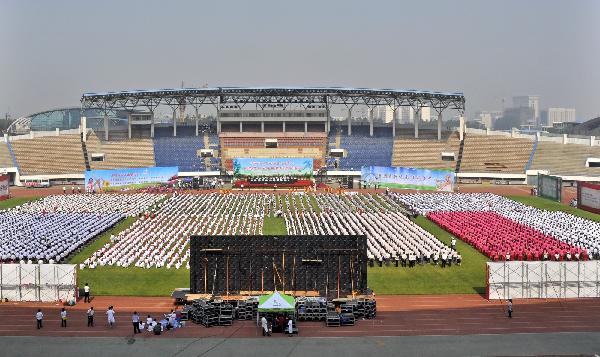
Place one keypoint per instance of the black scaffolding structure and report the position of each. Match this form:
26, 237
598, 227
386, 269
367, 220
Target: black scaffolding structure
332, 266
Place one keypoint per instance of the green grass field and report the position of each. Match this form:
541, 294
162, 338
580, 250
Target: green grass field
127, 281
544, 203
468, 278
16, 201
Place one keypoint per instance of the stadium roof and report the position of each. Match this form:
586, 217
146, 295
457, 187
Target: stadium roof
264, 95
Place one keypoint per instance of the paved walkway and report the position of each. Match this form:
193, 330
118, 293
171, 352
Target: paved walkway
587, 344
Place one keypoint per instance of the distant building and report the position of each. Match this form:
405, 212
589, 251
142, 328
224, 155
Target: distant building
487, 118
384, 113
558, 115
515, 118
529, 101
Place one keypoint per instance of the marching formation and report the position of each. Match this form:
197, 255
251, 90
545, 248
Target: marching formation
50, 229
390, 234
510, 230
160, 238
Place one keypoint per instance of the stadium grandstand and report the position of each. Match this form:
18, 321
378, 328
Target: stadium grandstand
121, 129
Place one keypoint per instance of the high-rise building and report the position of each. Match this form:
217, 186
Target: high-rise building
404, 114
529, 101
514, 118
487, 118
384, 113
559, 115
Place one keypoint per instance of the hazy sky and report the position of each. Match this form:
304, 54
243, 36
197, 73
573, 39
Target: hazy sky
52, 51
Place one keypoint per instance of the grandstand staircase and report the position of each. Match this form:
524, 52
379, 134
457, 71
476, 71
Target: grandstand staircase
85, 154
206, 146
338, 139
530, 161
13, 156
460, 154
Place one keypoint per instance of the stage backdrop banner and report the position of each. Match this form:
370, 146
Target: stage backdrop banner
4, 194
98, 180
253, 167
588, 196
409, 178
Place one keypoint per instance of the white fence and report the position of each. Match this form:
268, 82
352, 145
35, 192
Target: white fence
543, 279
37, 282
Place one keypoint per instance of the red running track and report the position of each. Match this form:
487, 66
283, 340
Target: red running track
495, 235
397, 316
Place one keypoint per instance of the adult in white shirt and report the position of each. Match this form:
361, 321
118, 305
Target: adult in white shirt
135, 319
265, 326
90, 317
39, 316
63, 317
110, 313
86, 293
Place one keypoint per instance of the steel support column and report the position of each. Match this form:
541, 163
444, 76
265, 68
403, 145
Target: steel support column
105, 126
152, 124
417, 118
439, 126
349, 121
371, 121
129, 126
394, 121
83, 129
174, 122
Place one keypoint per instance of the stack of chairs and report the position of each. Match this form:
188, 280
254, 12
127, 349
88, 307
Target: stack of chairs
205, 313
311, 309
246, 310
225, 314
333, 319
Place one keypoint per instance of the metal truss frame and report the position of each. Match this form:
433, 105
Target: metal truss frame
261, 97
557, 280
34, 282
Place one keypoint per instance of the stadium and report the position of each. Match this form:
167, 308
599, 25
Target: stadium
372, 221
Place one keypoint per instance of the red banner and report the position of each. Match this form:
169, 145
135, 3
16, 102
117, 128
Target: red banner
4, 194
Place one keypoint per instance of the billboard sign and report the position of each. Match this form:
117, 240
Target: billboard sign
588, 196
4, 194
252, 167
409, 178
102, 180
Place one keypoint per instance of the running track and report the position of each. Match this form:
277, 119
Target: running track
397, 316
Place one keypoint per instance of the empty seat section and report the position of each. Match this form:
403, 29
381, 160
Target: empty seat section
180, 151
366, 150
425, 153
49, 155
287, 147
482, 153
120, 153
5, 157
565, 159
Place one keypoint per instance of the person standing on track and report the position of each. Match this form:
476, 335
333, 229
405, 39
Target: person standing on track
135, 319
509, 308
110, 313
63, 317
86, 293
90, 316
39, 316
